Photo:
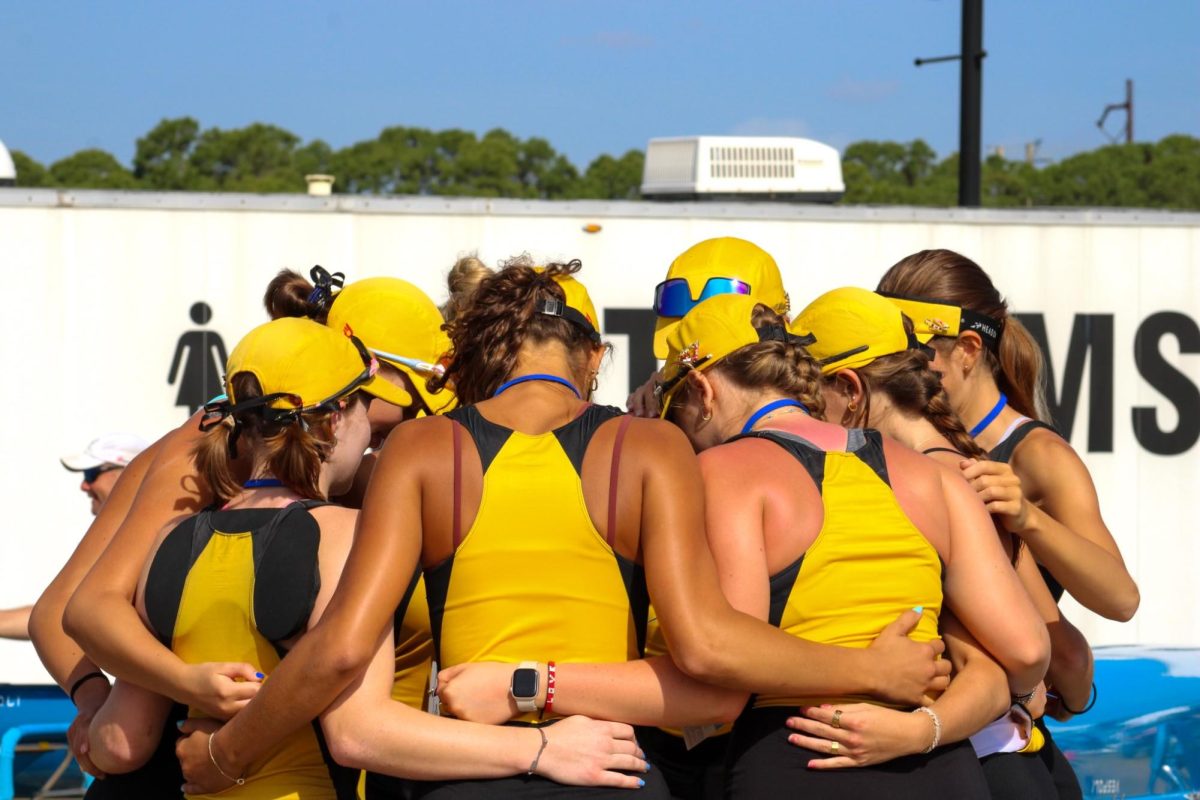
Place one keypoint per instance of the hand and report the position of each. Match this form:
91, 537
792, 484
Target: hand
1000, 490
221, 689
643, 402
200, 775
867, 734
478, 692
909, 672
88, 700
587, 752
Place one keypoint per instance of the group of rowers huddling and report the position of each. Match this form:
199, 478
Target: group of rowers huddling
819, 558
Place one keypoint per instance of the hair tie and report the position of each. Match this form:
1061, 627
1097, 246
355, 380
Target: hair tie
778, 333
324, 283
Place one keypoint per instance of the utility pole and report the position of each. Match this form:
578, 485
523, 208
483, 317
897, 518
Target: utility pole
970, 101
970, 109
1127, 107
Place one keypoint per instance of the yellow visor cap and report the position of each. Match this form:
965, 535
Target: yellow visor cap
929, 318
309, 362
852, 328
576, 297
705, 335
399, 324
724, 257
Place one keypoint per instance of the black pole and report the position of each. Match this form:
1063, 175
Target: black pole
970, 104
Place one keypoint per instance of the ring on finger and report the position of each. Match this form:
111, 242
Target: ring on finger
837, 718
833, 748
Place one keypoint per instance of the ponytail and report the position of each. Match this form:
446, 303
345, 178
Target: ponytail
949, 277
290, 294
463, 280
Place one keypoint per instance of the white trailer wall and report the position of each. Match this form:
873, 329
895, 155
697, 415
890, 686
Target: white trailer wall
98, 286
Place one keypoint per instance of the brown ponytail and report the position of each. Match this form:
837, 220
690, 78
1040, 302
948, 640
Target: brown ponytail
486, 339
953, 278
293, 453
781, 366
288, 295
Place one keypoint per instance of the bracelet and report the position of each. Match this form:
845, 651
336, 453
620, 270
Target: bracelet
937, 728
75, 686
1090, 705
213, 759
550, 670
533, 766
1025, 699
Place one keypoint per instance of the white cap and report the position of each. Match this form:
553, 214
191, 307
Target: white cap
113, 448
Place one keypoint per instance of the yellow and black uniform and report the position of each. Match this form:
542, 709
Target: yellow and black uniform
867, 565
234, 586
1066, 782
533, 578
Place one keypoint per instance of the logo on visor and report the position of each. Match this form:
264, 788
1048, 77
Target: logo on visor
984, 327
689, 356
937, 326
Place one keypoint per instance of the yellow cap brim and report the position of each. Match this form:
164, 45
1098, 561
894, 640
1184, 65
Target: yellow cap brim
388, 392
662, 329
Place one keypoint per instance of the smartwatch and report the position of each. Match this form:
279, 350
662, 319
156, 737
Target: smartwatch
524, 686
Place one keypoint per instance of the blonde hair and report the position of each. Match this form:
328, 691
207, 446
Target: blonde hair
463, 280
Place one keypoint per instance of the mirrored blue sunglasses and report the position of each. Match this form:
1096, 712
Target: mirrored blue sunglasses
673, 298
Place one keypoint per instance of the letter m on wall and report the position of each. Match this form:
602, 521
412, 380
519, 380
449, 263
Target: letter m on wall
1091, 336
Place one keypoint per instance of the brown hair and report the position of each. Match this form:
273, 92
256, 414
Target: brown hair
463, 280
288, 295
947, 276
782, 366
294, 452
505, 314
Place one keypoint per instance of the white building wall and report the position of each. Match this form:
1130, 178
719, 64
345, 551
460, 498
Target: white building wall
97, 288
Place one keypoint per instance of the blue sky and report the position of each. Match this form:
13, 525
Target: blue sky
592, 77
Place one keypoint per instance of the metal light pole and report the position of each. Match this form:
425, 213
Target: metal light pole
970, 101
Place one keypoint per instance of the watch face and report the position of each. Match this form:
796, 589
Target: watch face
525, 683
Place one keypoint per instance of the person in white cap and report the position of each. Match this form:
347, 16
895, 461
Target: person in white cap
101, 463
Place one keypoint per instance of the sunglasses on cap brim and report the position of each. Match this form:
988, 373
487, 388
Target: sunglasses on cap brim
673, 297
415, 364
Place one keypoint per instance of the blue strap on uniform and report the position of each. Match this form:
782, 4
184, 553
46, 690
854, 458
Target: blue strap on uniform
769, 407
261, 483
539, 376
991, 415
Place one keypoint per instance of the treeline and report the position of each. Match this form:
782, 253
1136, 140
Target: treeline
1163, 174
177, 155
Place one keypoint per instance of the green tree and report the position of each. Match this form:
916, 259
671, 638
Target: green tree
163, 156
609, 178
29, 171
91, 169
256, 158
544, 172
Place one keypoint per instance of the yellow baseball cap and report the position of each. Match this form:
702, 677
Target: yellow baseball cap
303, 364
399, 324
851, 327
724, 258
707, 334
577, 307
933, 318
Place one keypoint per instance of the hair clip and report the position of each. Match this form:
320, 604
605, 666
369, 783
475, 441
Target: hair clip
324, 283
937, 326
689, 356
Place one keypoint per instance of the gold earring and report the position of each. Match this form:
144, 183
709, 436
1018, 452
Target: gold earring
706, 416
852, 406
595, 383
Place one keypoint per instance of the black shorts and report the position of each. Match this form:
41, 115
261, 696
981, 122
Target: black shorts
1065, 779
533, 786
1018, 776
763, 764
696, 774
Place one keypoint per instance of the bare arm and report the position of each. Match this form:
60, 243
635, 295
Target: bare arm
14, 622
712, 641
62, 657
1061, 523
979, 580
126, 730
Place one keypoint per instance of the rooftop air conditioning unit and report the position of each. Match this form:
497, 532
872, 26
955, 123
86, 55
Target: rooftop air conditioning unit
742, 168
